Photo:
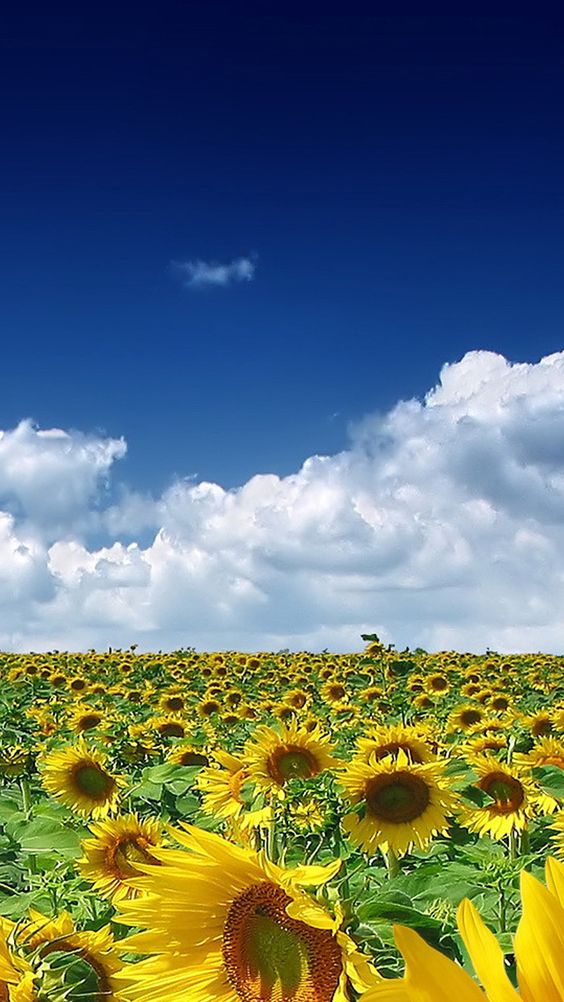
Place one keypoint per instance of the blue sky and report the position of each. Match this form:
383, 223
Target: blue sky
373, 196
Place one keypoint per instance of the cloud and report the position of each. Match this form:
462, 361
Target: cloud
199, 274
440, 525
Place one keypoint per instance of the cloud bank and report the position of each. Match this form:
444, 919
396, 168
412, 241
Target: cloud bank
440, 525
201, 274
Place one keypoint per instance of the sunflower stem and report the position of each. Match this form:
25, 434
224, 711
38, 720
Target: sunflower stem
513, 846
27, 805
271, 845
392, 863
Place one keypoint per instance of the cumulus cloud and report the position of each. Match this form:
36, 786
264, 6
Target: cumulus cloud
440, 525
198, 274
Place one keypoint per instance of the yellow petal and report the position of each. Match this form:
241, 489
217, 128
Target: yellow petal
486, 954
555, 879
539, 944
431, 977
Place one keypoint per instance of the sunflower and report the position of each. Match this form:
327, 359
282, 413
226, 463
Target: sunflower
398, 803
169, 726
391, 739
110, 857
16, 974
77, 777
546, 751
172, 702
540, 724
70, 964
187, 754
465, 718
538, 948
511, 794
437, 684
333, 691
85, 718
290, 752
223, 922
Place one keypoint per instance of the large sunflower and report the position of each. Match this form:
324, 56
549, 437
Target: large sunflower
110, 858
538, 946
78, 778
397, 803
223, 922
274, 756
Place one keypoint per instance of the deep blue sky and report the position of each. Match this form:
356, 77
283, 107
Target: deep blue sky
400, 179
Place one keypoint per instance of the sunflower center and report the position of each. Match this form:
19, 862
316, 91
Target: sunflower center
505, 790
393, 747
175, 703
270, 957
128, 853
193, 758
89, 721
94, 782
171, 730
398, 797
292, 762
469, 717
75, 975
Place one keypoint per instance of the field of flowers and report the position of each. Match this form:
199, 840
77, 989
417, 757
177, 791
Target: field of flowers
274, 827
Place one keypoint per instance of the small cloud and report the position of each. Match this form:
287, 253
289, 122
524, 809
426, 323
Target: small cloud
198, 274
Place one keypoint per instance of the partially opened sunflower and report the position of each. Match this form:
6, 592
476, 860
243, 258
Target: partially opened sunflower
224, 923
539, 951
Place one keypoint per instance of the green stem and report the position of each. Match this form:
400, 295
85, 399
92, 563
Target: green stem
392, 863
27, 806
271, 846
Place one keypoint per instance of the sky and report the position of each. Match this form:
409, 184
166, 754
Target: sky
280, 297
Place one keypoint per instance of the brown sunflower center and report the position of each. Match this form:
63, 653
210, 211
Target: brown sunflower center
506, 791
94, 782
88, 721
175, 703
270, 957
469, 717
439, 683
171, 729
193, 758
541, 727
292, 762
393, 747
130, 851
397, 797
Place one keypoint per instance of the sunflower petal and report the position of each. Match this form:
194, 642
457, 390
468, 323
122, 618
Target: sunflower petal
539, 944
486, 954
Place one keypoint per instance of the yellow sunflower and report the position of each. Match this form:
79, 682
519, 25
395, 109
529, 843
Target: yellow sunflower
110, 857
538, 947
398, 803
78, 778
223, 922
546, 751
16, 974
67, 963
169, 726
512, 795
274, 756
390, 740
186, 753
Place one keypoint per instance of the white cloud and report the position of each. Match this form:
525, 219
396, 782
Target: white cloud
198, 274
440, 525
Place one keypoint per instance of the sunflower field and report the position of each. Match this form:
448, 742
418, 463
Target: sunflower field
227, 827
